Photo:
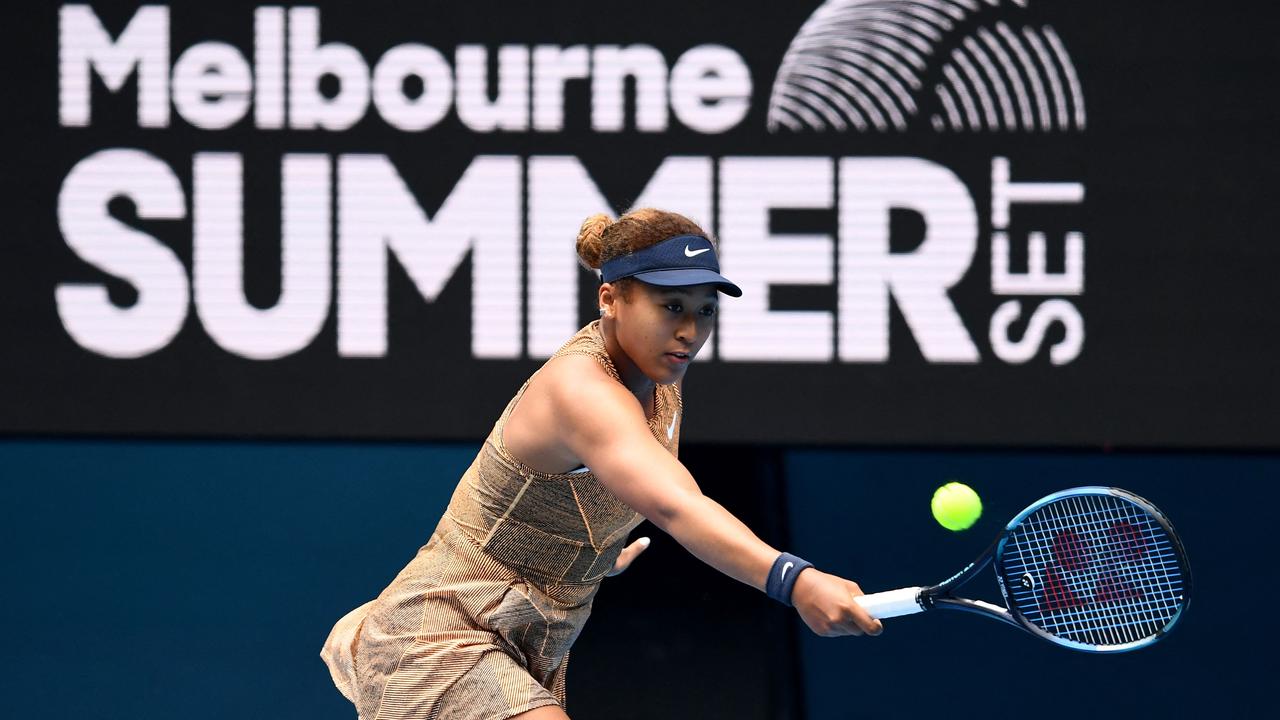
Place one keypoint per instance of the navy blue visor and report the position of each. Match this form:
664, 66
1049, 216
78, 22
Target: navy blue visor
677, 261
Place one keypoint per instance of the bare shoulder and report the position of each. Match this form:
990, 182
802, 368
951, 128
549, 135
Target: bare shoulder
544, 422
568, 391
571, 382
572, 367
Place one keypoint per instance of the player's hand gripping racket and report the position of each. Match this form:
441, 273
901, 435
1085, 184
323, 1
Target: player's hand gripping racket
1091, 568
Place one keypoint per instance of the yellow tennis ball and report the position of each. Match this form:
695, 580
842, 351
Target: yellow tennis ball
956, 506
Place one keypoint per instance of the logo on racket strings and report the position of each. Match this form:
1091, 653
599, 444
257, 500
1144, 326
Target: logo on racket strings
1084, 572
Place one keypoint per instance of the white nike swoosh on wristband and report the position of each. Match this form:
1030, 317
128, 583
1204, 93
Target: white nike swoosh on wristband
694, 253
785, 568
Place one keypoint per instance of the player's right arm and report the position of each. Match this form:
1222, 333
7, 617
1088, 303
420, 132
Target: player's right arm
603, 425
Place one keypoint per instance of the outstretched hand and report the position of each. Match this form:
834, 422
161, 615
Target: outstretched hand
825, 603
629, 554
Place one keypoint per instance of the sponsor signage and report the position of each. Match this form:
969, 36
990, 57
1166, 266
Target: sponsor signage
329, 221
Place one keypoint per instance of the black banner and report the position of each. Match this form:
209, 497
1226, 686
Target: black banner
967, 222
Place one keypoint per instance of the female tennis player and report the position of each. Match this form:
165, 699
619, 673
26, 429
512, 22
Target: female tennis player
479, 624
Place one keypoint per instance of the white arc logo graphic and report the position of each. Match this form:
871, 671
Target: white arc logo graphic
819, 50
693, 253
785, 568
671, 429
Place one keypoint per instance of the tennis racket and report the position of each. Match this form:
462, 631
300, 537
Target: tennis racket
1092, 568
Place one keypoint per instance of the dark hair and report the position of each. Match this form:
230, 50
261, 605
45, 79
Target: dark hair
601, 238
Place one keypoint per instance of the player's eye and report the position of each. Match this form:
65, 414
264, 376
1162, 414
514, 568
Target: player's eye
675, 307
708, 311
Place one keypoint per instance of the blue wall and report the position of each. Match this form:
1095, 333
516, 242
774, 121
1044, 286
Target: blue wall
193, 580
865, 515
198, 580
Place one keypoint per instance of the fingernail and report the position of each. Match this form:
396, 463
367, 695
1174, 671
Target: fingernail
644, 542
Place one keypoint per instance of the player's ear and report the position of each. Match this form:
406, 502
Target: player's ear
608, 297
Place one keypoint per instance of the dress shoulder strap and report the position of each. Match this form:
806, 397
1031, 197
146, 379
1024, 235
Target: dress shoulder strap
590, 342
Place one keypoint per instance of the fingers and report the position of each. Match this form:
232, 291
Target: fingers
628, 555
828, 606
855, 621
864, 622
860, 617
847, 623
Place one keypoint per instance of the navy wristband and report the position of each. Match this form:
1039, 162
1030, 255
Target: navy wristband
782, 577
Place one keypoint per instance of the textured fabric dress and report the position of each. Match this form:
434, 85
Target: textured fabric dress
479, 624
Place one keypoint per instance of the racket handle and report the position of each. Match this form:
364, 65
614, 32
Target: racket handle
891, 603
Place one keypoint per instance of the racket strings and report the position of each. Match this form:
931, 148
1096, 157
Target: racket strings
1128, 609
1100, 570
1106, 618
1100, 620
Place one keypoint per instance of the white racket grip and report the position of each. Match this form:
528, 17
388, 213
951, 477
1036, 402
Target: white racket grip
891, 603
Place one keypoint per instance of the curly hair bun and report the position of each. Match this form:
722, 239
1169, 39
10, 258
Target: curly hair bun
591, 240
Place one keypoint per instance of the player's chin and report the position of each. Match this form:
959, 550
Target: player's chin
667, 372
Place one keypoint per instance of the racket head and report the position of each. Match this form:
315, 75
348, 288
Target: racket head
1096, 569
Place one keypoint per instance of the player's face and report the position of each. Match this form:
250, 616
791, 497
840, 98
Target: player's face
661, 329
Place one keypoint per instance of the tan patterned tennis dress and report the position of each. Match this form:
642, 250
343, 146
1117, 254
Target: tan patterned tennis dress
479, 624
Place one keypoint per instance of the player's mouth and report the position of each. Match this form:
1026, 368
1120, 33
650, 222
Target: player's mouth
678, 357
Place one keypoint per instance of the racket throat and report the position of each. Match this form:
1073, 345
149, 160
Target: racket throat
977, 607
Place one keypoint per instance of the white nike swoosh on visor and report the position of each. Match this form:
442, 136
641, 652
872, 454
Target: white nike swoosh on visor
694, 253
785, 568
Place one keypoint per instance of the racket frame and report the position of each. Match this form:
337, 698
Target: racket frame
939, 597
906, 601
996, 554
